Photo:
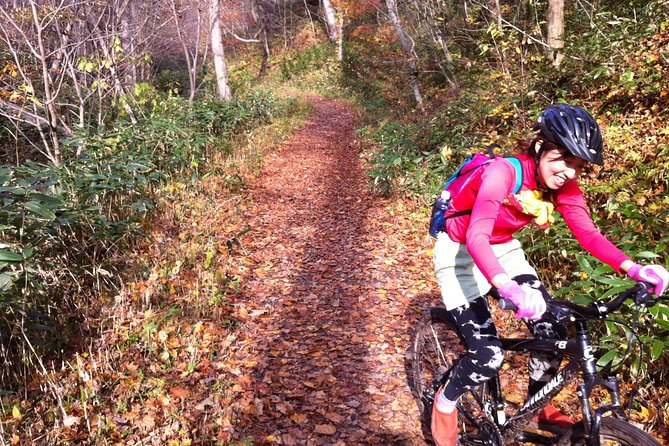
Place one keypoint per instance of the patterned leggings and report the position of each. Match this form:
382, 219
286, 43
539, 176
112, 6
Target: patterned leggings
484, 356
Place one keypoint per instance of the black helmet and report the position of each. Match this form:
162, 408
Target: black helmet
574, 129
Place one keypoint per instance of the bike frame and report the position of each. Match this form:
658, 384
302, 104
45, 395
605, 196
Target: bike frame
582, 359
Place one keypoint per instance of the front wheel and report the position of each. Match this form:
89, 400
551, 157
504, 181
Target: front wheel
435, 348
611, 432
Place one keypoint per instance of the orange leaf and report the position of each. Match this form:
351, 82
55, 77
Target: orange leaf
334, 417
326, 429
299, 418
180, 392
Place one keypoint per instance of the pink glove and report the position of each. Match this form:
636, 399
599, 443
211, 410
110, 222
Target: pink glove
653, 274
530, 302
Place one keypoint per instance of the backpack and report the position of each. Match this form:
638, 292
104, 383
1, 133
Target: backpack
459, 180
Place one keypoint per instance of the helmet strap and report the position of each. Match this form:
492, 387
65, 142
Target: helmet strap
539, 151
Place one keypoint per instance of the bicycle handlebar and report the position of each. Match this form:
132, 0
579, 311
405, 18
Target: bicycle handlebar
596, 310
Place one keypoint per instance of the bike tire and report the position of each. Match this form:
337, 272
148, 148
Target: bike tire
436, 346
612, 431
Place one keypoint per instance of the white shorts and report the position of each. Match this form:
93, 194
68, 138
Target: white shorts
460, 280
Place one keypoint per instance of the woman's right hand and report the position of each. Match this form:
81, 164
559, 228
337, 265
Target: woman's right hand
656, 275
530, 302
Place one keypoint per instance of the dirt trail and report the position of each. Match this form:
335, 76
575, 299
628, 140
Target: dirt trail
337, 284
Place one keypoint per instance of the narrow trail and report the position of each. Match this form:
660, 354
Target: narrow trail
337, 283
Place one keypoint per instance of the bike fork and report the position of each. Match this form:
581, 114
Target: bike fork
499, 415
592, 422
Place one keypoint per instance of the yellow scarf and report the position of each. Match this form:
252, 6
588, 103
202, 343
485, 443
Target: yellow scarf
531, 202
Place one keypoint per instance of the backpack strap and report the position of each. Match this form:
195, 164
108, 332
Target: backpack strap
457, 171
515, 162
519, 173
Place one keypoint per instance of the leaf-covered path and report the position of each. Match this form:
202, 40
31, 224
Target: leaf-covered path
338, 279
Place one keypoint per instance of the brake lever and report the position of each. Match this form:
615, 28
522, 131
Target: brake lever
644, 296
561, 313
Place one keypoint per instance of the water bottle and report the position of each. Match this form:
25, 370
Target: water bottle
439, 212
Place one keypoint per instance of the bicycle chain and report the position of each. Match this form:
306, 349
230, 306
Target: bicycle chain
491, 428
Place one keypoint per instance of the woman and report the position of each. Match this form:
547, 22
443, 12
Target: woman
477, 251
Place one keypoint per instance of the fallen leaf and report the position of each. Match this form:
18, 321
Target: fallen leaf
334, 417
299, 418
326, 429
70, 421
180, 392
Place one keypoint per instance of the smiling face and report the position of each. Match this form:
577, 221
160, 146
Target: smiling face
557, 166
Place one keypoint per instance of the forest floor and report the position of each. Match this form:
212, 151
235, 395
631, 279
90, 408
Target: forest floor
338, 280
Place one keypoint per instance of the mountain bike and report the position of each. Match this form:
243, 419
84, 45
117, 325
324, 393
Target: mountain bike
486, 417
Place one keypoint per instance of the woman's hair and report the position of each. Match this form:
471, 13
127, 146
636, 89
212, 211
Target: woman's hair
529, 148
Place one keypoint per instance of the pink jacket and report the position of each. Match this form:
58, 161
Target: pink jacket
492, 222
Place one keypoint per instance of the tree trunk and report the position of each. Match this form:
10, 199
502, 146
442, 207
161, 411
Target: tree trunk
494, 12
53, 114
260, 14
330, 20
191, 57
104, 47
407, 47
128, 36
464, 11
340, 37
555, 30
218, 53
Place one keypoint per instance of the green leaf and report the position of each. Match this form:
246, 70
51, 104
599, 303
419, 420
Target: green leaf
6, 281
19, 191
662, 323
27, 252
48, 199
8, 256
43, 327
647, 255
40, 209
606, 358
656, 350
584, 264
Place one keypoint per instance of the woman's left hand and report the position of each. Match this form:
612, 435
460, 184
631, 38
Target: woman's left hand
653, 274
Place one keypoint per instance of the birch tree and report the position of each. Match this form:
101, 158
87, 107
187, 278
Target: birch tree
407, 48
69, 63
26, 38
494, 12
331, 23
217, 51
431, 22
188, 25
261, 14
555, 30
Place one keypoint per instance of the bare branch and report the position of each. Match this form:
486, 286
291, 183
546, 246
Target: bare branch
241, 39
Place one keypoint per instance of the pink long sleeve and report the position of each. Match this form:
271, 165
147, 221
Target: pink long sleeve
492, 222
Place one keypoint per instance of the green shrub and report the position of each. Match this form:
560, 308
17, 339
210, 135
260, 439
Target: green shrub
173, 80
303, 61
64, 228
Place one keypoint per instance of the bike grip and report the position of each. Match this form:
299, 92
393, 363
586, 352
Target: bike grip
506, 304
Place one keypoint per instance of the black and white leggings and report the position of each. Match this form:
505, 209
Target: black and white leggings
484, 354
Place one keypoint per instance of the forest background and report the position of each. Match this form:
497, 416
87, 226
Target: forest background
112, 111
